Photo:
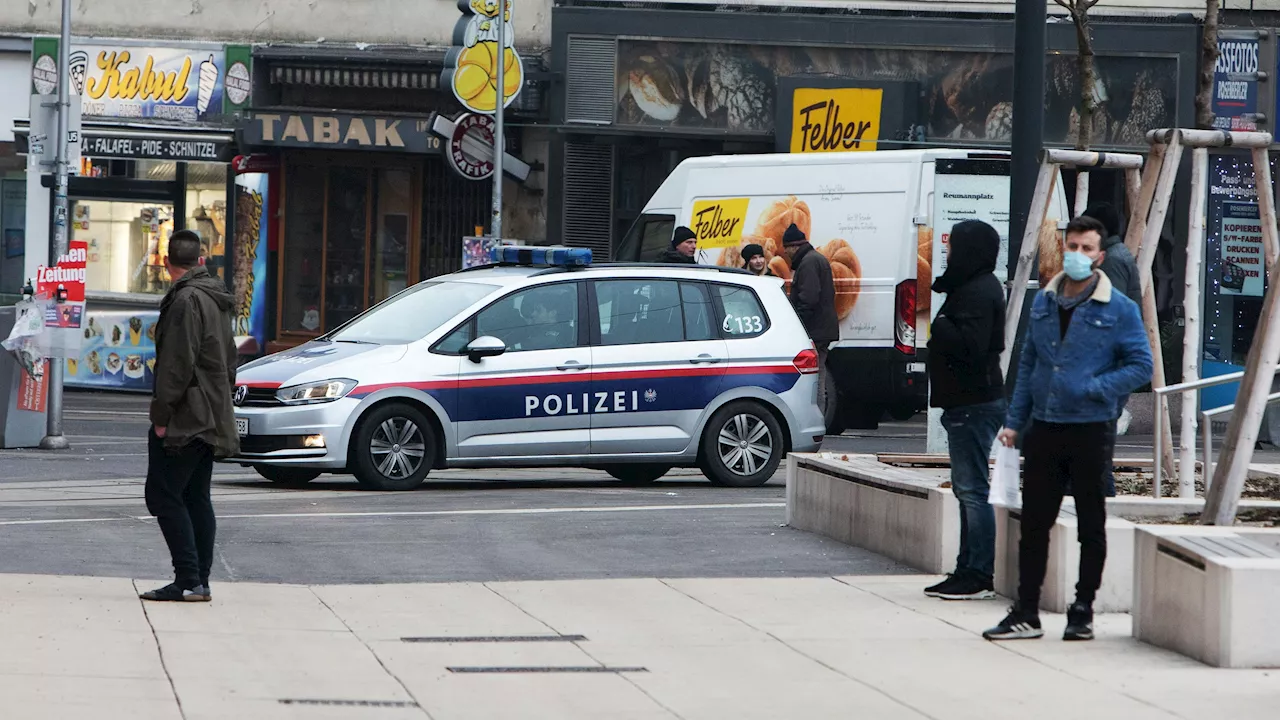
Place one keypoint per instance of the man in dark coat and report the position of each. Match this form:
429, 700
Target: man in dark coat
966, 382
684, 246
192, 418
1118, 264
1120, 267
813, 295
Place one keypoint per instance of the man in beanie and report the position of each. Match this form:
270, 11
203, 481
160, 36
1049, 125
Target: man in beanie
813, 295
684, 245
753, 259
1120, 267
966, 382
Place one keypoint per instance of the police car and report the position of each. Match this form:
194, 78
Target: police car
543, 359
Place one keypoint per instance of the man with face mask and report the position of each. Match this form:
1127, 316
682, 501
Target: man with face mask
1084, 351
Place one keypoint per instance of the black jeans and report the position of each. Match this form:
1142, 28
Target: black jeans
1057, 457
178, 495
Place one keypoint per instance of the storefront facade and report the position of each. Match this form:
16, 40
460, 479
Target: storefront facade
15, 80
156, 141
645, 88
368, 200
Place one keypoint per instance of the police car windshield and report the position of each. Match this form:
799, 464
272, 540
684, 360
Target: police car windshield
412, 314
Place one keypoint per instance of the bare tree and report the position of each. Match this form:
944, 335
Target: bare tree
1208, 64
1079, 11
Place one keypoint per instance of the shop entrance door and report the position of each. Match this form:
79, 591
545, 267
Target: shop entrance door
346, 243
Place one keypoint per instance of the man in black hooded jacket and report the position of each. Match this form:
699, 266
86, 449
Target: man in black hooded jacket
684, 246
966, 382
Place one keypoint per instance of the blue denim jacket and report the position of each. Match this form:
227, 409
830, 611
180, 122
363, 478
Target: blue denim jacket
1086, 376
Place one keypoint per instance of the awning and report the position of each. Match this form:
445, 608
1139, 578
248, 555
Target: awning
358, 66
140, 141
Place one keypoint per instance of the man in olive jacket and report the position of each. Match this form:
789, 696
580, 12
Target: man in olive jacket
191, 416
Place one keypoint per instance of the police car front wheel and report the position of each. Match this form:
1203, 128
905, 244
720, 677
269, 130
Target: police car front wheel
394, 448
742, 445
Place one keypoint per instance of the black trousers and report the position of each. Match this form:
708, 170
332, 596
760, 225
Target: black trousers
178, 495
1058, 457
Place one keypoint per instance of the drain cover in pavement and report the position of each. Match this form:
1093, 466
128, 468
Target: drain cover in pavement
349, 703
547, 669
495, 638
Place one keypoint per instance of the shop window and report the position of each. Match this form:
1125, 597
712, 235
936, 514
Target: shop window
207, 211
127, 244
346, 243
304, 250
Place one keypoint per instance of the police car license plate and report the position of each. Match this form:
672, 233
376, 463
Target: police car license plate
242, 426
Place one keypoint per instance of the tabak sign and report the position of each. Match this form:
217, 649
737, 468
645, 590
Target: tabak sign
184, 84
471, 146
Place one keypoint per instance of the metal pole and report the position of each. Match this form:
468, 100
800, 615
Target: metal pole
1028, 116
1029, 31
54, 439
1157, 422
498, 111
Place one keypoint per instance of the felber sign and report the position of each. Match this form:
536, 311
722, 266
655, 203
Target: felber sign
341, 131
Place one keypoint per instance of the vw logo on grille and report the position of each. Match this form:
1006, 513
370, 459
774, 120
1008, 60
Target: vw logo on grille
241, 392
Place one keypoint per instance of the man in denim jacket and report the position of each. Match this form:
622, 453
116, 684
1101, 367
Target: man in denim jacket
1085, 350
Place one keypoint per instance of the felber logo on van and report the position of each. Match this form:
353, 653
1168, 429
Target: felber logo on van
718, 223
835, 120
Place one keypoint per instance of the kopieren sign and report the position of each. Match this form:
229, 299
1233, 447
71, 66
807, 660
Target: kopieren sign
339, 131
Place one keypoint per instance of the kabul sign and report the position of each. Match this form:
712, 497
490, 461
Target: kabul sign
339, 131
183, 84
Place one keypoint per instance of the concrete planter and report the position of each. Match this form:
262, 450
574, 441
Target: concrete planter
1209, 593
1063, 569
898, 513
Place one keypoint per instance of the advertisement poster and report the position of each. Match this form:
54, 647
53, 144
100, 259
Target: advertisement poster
249, 278
32, 393
119, 352
1235, 85
961, 95
477, 251
852, 229
182, 84
1241, 240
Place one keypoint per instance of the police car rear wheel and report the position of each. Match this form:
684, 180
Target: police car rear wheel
394, 448
637, 474
742, 445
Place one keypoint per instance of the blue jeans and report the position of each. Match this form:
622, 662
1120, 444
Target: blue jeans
971, 430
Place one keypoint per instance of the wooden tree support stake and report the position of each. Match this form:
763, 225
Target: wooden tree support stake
1223, 498
1191, 305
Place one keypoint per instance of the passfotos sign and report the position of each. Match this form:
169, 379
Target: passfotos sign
835, 120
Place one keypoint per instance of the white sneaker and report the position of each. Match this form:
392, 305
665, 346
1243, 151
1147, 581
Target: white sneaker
1122, 425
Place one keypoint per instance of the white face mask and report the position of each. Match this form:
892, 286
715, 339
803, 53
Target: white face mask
1077, 265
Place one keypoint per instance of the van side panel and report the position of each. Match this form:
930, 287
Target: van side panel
859, 217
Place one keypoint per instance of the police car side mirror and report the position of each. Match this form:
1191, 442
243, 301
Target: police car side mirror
485, 346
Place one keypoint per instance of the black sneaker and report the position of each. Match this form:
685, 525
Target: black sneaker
1079, 622
968, 586
947, 582
173, 592
1019, 624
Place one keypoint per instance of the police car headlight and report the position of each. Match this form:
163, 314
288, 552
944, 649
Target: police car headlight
311, 393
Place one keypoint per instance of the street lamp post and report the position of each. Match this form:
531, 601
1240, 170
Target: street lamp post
498, 112
54, 439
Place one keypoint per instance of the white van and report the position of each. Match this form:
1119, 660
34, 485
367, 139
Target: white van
873, 215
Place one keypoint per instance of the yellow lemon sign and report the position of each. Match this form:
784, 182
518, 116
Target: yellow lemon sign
835, 120
718, 223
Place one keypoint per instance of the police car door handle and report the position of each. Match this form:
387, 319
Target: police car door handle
571, 365
704, 358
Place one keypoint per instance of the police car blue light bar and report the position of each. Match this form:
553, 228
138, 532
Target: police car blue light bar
551, 255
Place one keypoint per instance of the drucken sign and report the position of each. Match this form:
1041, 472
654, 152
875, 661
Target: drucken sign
339, 131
